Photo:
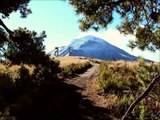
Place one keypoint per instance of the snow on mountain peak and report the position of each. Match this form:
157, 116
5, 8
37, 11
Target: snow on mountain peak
76, 43
94, 47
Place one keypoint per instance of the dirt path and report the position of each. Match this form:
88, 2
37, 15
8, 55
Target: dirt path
87, 81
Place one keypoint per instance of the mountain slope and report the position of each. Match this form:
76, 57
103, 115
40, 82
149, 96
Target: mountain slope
94, 47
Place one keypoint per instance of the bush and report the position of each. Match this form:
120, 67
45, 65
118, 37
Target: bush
26, 47
115, 78
127, 80
72, 69
26, 92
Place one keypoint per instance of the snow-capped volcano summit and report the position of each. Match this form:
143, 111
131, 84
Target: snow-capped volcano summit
94, 47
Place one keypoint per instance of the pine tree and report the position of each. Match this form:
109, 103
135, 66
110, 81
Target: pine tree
139, 17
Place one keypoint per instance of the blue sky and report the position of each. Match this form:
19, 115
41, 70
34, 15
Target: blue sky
60, 22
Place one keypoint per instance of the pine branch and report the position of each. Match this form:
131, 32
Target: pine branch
5, 27
141, 97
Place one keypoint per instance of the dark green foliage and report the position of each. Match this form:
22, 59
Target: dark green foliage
98, 14
46, 74
26, 47
6, 8
9, 6
146, 39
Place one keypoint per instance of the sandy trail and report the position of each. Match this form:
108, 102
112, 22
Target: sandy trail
89, 88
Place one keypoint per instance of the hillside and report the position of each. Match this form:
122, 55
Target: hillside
107, 90
86, 89
109, 87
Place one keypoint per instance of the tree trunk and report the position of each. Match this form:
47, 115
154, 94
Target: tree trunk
141, 97
5, 27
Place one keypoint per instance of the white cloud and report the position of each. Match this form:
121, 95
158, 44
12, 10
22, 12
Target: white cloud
120, 40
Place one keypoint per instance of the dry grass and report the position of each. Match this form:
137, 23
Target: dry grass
123, 81
64, 61
129, 64
67, 60
13, 69
2, 67
10, 69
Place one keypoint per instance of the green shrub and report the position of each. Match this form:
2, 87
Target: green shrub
145, 72
142, 112
124, 102
128, 80
72, 69
115, 78
109, 82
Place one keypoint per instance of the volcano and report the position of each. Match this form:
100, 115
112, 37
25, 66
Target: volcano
93, 47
